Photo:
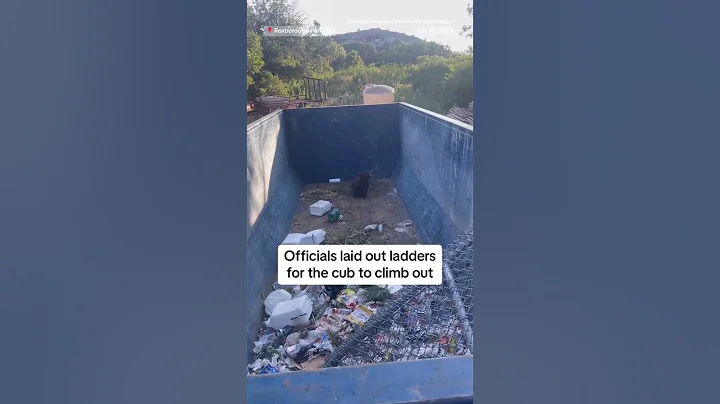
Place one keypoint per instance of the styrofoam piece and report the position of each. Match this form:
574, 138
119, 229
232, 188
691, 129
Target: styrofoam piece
298, 238
320, 208
274, 298
295, 312
318, 236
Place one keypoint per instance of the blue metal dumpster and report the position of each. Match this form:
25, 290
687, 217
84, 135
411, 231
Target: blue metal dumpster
427, 156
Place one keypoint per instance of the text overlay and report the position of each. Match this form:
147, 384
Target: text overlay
360, 265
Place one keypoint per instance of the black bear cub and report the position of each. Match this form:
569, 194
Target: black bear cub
360, 185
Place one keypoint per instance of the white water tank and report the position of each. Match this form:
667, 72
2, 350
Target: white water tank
378, 94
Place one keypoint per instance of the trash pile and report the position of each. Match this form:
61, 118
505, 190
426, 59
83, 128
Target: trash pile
313, 327
304, 325
418, 324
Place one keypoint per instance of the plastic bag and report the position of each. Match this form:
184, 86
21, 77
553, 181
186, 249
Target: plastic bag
274, 298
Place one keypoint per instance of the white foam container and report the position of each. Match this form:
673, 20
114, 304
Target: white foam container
318, 236
295, 312
299, 239
320, 208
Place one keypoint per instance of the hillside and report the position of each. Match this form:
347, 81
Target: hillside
379, 46
377, 37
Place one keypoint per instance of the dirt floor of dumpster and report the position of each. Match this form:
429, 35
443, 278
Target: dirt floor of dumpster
380, 218
383, 206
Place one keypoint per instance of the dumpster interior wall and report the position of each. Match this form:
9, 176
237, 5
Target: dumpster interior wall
428, 157
273, 192
435, 174
340, 142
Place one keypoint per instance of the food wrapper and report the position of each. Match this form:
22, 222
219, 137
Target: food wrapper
348, 297
388, 354
341, 312
268, 369
449, 343
360, 316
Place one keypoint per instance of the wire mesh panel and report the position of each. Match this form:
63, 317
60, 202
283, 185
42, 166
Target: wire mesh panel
419, 322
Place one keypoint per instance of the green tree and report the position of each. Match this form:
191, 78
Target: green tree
429, 72
316, 54
407, 53
263, 13
353, 59
269, 84
366, 51
460, 82
467, 30
254, 57
290, 58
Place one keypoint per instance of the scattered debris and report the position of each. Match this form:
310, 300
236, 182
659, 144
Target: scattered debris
315, 363
334, 290
263, 366
265, 340
334, 180
360, 316
305, 328
320, 208
402, 226
334, 215
377, 294
376, 208
298, 238
323, 323
294, 312
318, 236
299, 338
336, 322
311, 237
348, 298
